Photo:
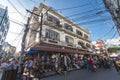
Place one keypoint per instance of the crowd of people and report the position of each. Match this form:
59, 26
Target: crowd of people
61, 64
37, 66
9, 64
8, 69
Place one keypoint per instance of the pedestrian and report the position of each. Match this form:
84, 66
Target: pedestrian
30, 67
90, 63
65, 65
117, 65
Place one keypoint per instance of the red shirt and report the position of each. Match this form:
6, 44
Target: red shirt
90, 62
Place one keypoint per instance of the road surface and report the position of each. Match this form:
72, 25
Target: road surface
101, 74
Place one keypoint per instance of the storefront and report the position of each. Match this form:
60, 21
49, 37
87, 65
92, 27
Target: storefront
53, 57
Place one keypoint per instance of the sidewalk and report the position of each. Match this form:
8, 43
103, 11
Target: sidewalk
51, 73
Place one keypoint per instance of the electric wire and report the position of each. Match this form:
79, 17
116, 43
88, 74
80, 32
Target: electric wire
21, 4
19, 41
16, 33
90, 15
82, 13
107, 33
22, 30
33, 2
72, 7
20, 33
67, 9
15, 8
111, 38
94, 21
19, 23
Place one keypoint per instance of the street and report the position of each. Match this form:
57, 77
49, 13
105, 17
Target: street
86, 75
54, 40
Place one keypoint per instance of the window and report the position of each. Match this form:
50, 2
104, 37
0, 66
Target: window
85, 36
80, 43
79, 32
69, 40
88, 45
68, 27
53, 19
52, 35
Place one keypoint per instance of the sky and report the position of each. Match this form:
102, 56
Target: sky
89, 14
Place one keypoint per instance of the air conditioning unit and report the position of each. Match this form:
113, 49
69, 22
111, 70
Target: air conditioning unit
78, 46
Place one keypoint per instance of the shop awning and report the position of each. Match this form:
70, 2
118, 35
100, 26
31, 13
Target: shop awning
32, 51
56, 49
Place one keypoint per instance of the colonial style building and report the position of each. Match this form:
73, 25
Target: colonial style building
56, 33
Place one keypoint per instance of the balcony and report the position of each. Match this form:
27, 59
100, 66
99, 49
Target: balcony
60, 43
52, 24
61, 28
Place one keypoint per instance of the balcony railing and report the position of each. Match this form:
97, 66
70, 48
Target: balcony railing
61, 43
60, 27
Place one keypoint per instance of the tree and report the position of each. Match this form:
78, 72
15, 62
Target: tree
113, 49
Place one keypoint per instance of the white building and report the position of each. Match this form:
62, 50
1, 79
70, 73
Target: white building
113, 42
58, 34
100, 48
4, 24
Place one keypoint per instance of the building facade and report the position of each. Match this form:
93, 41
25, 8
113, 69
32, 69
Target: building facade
56, 33
4, 24
100, 48
114, 8
8, 50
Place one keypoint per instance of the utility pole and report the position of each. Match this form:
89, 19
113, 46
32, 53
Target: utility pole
23, 45
41, 22
40, 32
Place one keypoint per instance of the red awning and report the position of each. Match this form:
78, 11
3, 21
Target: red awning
56, 49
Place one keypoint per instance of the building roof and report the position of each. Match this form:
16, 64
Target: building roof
59, 15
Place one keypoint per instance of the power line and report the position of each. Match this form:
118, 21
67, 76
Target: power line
19, 23
22, 24
33, 2
22, 31
14, 32
107, 32
15, 8
90, 15
20, 38
72, 7
91, 3
21, 4
112, 37
94, 21
82, 13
